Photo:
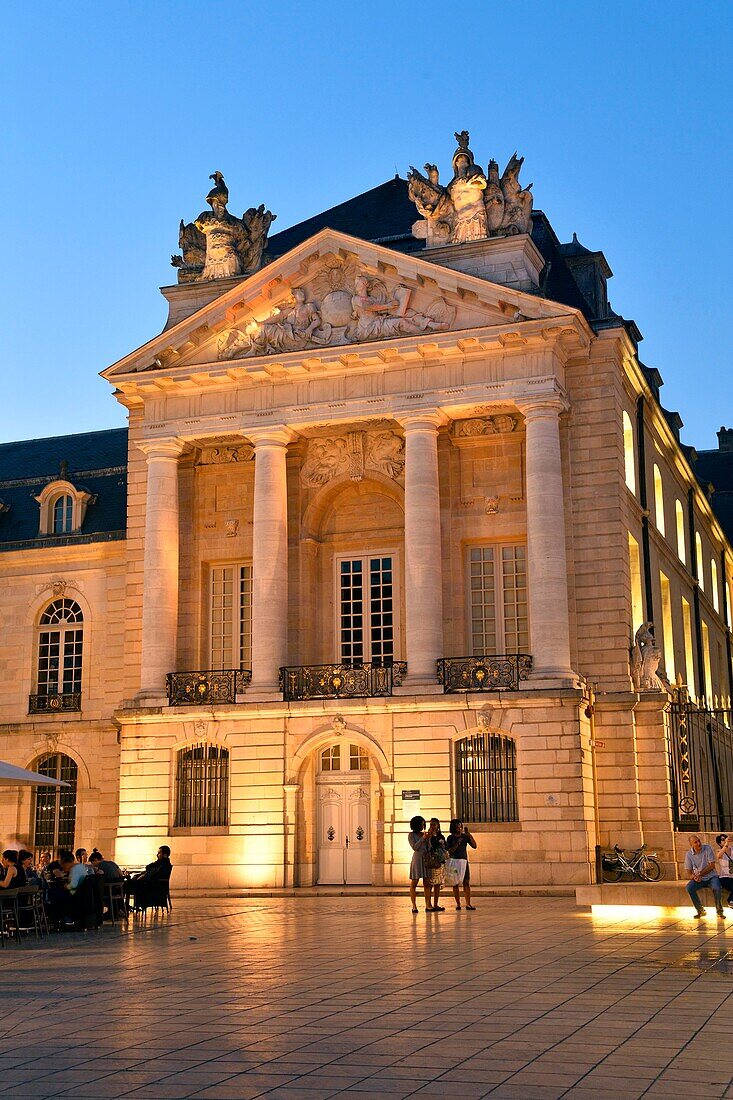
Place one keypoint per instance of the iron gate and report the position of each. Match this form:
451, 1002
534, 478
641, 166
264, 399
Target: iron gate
701, 751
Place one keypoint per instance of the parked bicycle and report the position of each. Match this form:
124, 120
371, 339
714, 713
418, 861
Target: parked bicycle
640, 864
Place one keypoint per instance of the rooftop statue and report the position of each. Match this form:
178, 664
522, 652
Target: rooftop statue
472, 206
217, 244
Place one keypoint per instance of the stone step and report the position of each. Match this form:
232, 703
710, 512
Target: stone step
371, 891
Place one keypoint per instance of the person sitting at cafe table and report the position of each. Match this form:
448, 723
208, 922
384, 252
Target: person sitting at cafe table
13, 874
107, 868
32, 876
143, 887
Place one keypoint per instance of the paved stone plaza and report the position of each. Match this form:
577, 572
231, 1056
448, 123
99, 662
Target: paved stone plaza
313, 998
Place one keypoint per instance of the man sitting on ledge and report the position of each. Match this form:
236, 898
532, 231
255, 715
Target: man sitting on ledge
700, 863
147, 889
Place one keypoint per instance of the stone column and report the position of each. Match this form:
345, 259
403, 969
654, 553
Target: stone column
547, 571
291, 832
270, 557
423, 557
160, 567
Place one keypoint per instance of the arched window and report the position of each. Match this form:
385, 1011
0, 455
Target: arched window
486, 778
63, 515
714, 584
679, 516
60, 643
202, 786
54, 808
700, 562
658, 500
629, 463
344, 756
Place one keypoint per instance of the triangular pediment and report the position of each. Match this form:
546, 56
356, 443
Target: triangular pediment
331, 295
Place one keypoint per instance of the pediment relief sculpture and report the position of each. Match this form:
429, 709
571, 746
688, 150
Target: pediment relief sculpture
216, 455
342, 305
477, 426
217, 244
474, 205
352, 455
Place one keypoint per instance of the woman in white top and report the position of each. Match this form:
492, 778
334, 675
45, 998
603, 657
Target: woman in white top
725, 862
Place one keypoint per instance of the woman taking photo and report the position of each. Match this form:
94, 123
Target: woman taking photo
418, 841
459, 840
435, 858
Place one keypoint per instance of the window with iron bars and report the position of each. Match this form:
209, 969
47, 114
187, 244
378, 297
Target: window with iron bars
486, 778
54, 808
202, 786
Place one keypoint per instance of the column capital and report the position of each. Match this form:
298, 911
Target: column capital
272, 435
171, 448
542, 405
421, 419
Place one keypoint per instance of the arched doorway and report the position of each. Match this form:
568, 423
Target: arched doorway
343, 806
54, 808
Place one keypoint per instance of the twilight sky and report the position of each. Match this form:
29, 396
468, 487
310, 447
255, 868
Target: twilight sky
114, 115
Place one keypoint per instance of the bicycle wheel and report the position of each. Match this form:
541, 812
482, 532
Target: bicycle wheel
649, 869
611, 871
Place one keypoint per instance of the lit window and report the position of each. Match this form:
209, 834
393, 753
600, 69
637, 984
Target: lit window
63, 513
367, 605
637, 602
202, 786
680, 521
689, 662
667, 628
230, 617
658, 500
498, 600
700, 563
629, 462
714, 584
58, 669
706, 662
331, 759
486, 778
358, 759
54, 808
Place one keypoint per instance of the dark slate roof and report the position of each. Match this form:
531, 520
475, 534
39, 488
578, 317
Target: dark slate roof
716, 467
96, 462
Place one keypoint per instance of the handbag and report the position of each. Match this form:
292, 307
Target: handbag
455, 871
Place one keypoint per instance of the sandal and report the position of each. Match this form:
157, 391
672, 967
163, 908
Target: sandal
471, 907
429, 909
458, 909
439, 909
415, 910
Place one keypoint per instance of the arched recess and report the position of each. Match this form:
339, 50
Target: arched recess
349, 521
54, 798
320, 738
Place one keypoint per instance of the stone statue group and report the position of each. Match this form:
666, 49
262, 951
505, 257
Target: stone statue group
473, 205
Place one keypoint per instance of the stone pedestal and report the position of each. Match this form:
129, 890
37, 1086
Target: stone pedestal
514, 262
423, 560
269, 558
160, 569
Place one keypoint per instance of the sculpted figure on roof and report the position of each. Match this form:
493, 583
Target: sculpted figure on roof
217, 244
472, 206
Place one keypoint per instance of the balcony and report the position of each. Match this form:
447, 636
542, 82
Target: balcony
207, 687
54, 704
498, 672
366, 681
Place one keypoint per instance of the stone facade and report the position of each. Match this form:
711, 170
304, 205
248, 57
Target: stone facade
507, 433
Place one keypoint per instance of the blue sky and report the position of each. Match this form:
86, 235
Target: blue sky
114, 115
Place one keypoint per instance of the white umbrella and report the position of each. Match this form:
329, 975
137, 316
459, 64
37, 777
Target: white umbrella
11, 776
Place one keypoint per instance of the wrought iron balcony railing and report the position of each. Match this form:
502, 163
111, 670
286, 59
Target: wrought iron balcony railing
340, 681
54, 704
206, 687
498, 672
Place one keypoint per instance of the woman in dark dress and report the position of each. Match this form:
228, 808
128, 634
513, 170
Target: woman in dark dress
435, 864
14, 875
418, 841
459, 840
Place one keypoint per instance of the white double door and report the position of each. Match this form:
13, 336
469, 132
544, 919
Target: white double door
344, 845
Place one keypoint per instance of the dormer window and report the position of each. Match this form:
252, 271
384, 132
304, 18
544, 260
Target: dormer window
63, 507
63, 515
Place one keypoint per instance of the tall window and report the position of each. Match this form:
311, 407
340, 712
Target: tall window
60, 640
54, 808
689, 660
714, 592
679, 516
63, 513
629, 463
637, 603
230, 616
658, 500
707, 668
202, 786
486, 778
366, 610
667, 628
700, 562
498, 599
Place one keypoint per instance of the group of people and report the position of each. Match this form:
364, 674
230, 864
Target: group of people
72, 885
440, 860
711, 870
